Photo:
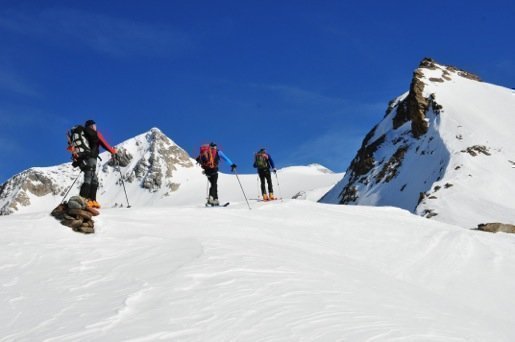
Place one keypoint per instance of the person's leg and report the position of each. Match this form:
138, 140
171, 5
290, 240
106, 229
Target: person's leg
92, 165
263, 185
262, 180
213, 190
268, 176
89, 175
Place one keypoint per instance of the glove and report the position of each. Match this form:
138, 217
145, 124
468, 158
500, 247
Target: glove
233, 167
115, 152
274, 171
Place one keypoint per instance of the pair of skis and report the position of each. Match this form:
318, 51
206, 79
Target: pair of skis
209, 205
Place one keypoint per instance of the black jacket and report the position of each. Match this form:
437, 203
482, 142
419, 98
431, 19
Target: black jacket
96, 140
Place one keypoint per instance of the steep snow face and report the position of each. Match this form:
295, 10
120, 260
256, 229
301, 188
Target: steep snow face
156, 171
444, 150
151, 164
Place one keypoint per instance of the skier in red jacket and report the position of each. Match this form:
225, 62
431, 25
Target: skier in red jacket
89, 188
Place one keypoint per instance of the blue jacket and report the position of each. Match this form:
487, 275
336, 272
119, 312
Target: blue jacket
224, 157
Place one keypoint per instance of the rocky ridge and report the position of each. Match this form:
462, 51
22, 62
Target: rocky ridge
149, 163
447, 129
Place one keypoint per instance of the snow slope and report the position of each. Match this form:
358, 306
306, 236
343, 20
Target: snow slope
284, 271
444, 150
156, 172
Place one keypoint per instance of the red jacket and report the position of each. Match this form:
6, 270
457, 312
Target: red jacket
96, 139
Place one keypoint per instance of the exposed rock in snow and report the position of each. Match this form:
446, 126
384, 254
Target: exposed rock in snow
149, 161
497, 227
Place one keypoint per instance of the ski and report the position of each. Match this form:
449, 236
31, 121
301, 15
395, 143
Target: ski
221, 205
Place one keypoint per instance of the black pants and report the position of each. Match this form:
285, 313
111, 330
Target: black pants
90, 185
212, 176
265, 174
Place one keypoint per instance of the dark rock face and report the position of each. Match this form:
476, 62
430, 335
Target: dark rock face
476, 150
364, 160
390, 168
496, 227
415, 106
362, 164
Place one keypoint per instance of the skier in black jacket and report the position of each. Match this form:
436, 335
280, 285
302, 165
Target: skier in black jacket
263, 162
89, 188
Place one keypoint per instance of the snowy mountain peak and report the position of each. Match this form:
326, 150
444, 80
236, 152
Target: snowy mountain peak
321, 168
436, 149
149, 164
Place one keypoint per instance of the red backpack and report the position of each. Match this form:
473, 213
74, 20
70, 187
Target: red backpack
208, 157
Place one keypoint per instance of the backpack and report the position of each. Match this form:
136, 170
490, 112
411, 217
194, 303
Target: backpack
78, 144
208, 157
261, 160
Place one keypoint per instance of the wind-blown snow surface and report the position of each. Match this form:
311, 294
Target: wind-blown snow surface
284, 271
459, 188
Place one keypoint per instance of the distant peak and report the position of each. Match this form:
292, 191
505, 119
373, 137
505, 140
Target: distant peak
447, 70
156, 134
320, 168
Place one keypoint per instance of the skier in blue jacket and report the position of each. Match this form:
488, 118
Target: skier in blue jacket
209, 159
263, 162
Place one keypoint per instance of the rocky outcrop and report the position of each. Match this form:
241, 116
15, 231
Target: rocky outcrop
496, 228
415, 106
390, 168
402, 133
123, 158
162, 159
476, 150
149, 161
16, 192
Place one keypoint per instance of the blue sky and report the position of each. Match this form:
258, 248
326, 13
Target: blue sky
306, 79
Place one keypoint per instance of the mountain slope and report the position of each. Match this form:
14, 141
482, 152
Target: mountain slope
151, 163
443, 150
156, 171
284, 271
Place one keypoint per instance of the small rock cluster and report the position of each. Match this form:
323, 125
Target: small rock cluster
496, 227
76, 214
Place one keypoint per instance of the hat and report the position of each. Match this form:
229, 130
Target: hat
89, 123
212, 144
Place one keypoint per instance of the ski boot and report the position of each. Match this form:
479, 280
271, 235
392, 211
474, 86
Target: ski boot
265, 197
272, 197
212, 202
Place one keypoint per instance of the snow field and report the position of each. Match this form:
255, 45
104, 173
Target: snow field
284, 271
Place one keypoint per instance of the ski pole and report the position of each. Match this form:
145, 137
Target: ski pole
71, 186
117, 163
257, 186
278, 186
241, 186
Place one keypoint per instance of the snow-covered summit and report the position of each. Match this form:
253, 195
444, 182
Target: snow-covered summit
150, 163
156, 172
444, 149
